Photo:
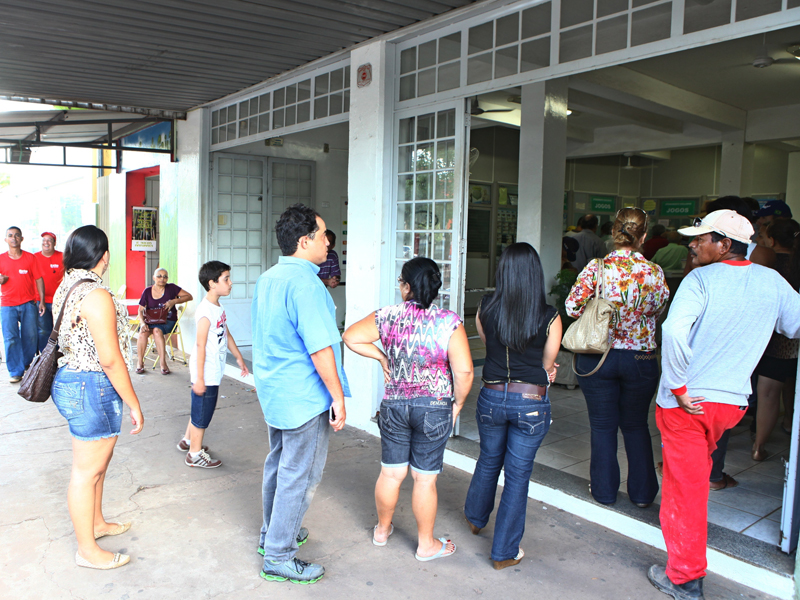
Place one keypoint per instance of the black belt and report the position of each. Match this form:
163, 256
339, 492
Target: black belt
518, 388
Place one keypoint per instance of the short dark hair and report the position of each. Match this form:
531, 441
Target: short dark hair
734, 203
331, 236
296, 221
212, 271
14, 227
657, 230
590, 222
424, 278
607, 227
85, 248
737, 247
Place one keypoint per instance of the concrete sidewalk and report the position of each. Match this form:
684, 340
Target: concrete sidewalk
195, 532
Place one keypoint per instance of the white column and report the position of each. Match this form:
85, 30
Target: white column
184, 202
793, 183
369, 202
542, 166
736, 165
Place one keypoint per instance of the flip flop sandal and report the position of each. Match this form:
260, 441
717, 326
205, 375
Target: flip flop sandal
140, 370
117, 561
118, 530
727, 482
165, 372
386, 541
442, 553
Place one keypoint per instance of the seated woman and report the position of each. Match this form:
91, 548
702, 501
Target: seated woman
424, 344
160, 294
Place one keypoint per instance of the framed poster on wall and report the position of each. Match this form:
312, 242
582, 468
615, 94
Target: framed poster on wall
144, 229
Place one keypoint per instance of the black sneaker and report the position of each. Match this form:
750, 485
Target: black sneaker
294, 570
691, 590
302, 538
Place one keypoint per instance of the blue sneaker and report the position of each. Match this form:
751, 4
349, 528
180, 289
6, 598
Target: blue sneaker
294, 570
302, 538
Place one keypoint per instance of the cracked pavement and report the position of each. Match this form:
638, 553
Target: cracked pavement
195, 532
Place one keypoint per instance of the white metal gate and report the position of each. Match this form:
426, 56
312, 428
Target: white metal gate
250, 193
429, 183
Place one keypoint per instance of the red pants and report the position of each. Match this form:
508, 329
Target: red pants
687, 442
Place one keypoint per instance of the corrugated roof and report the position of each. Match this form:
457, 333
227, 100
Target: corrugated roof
176, 54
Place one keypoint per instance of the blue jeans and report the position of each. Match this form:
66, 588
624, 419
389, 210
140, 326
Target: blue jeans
618, 397
203, 406
20, 335
89, 403
415, 431
292, 472
45, 324
512, 429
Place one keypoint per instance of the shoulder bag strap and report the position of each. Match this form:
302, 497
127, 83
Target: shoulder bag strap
602, 287
57, 327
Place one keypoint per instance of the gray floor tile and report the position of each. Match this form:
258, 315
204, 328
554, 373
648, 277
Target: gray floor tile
572, 447
579, 418
742, 499
729, 517
552, 459
775, 515
766, 531
552, 437
762, 484
580, 469
772, 467
566, 428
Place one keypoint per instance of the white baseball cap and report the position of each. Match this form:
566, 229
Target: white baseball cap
724, 222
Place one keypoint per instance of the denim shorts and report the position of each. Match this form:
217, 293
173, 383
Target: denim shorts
414, 431
164, 327
89, 403
203, 406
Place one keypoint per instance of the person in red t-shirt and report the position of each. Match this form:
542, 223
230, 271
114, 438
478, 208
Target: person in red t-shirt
20, 280
51, 268
655, 242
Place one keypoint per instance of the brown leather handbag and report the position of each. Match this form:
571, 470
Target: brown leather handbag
38, 379
156, 316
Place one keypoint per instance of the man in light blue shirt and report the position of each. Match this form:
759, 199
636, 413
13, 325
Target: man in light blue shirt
297, 366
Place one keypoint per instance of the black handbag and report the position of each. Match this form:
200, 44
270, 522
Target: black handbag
38, 379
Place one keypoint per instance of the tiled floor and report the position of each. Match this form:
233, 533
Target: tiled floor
752, 508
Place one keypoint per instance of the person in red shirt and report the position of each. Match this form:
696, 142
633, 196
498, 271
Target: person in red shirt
655, 243
20, 281
51, 268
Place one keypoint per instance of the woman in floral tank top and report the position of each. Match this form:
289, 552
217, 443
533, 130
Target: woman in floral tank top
618, 395
427, 370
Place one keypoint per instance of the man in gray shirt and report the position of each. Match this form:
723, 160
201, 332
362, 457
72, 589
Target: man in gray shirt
589, 244
711, 343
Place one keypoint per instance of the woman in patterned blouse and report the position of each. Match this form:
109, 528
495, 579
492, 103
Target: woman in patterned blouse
90, 387
618, 395
427, 370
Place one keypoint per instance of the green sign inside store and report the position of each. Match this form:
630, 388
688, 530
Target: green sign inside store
678, 208
602, 204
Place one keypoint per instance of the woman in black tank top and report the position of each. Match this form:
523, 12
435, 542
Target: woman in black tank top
522, 336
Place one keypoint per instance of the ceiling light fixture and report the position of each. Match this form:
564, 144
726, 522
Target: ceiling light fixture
569, 111
794, 50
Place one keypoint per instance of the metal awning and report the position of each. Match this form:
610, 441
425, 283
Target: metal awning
176, 54
20, 132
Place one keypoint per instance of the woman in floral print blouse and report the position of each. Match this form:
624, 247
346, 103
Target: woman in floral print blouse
618, 395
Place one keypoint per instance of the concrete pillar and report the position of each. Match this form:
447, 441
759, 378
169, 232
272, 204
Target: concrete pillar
793, 183
542, 167
183, 212
736, 165
368, 284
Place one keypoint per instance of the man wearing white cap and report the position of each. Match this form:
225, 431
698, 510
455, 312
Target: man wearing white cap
710, 346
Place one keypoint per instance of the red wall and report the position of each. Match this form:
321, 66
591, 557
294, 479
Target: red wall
135, 260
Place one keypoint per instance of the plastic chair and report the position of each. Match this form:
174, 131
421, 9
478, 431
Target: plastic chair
176, 331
